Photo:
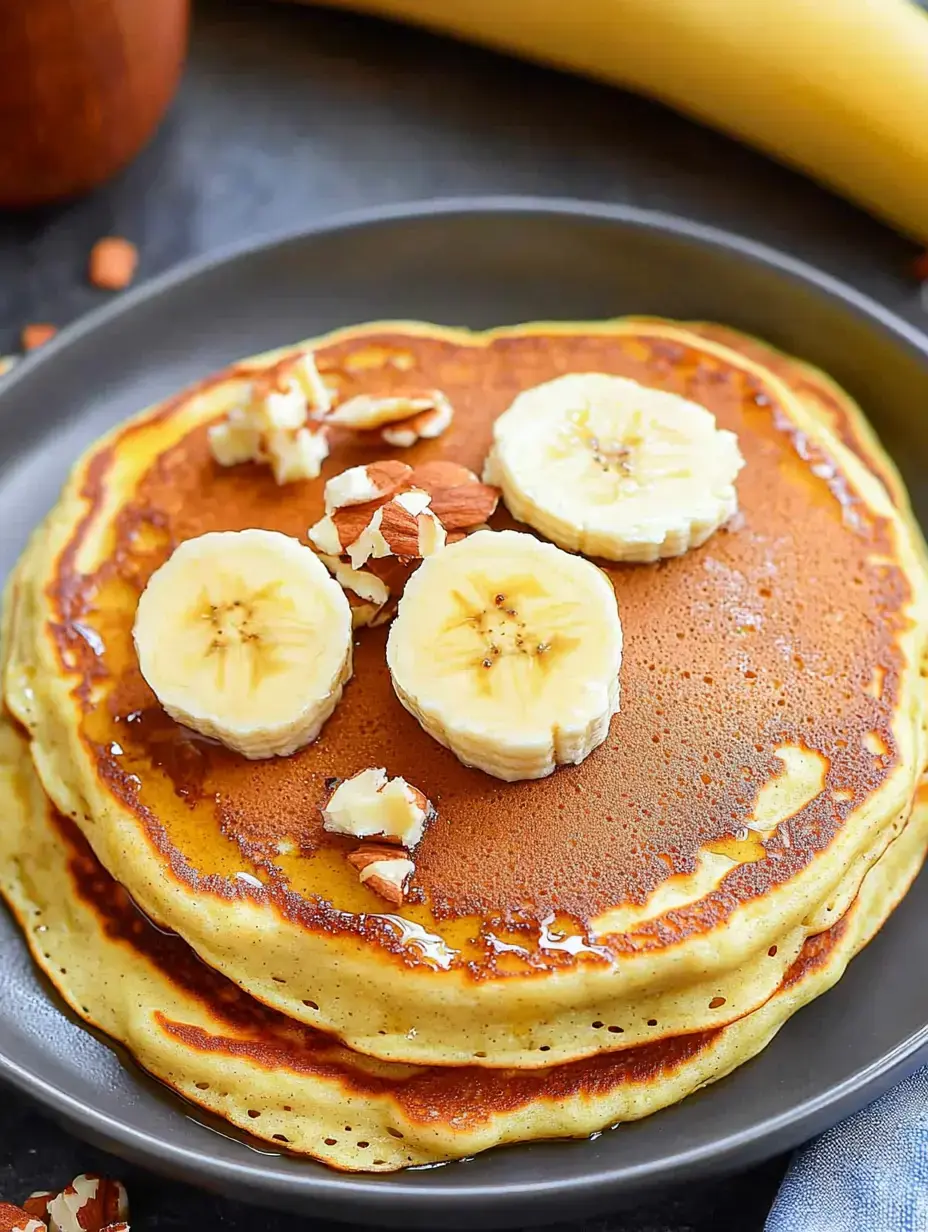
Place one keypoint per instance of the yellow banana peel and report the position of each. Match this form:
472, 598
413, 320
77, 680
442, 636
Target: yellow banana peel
838, 88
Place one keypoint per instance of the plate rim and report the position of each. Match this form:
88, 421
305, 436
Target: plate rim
368, 1194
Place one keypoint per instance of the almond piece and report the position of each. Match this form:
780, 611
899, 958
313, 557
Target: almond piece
234, 440
433, 476
296, 455
385, 872
364, 615
334, 532
360, 484
393, 571
372, 853
384, 614
89, 1204
404, 526
276, 401
271, 425
369, 805
304, 371
37, 1204
389, 879
113, 261
362, 583
17, 1219
292, 387
464, 506
426, 425
365, 411
459, 499
37, 335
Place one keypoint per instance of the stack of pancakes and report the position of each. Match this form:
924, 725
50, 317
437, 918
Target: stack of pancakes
577, 950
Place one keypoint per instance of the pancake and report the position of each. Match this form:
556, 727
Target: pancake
821, 395
770, 735
301, 1091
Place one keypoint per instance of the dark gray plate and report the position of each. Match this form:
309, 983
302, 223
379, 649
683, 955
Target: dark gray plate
470, 263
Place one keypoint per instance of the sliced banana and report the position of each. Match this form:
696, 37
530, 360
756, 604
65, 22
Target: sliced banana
244, 636
507, 651
602, 465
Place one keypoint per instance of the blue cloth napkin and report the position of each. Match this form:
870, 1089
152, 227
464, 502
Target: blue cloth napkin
869, 1174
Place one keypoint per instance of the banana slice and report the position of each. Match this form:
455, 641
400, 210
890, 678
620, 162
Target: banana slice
603, 465
243, 636
507, 650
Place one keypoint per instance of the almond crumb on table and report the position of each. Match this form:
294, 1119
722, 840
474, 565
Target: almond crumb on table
90, 1203
37, 335
113, 261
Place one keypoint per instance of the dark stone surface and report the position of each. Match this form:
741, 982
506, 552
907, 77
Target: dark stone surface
287, 116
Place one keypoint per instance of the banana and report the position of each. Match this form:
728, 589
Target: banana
244, 636
507, 651
835, 87
602, 465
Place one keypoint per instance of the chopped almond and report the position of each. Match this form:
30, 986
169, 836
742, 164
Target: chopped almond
272, 426
367, 594
414, 513
369, 805
426, 425
37, 1204
459, 499
17, 1219
89, 1204
434, 476
113, 262
361, 582
401, 526
366, 411
37, 335
296, 454
404, 526
385, 871
360, 484
463, 507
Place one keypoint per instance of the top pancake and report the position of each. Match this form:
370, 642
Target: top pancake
770, 727
295, 1087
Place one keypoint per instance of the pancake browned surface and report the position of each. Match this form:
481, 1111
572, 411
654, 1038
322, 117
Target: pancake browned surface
302, 1091
770, 732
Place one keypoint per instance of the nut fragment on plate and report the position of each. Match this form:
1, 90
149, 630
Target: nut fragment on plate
385, 870
459, 499
16, 1219
37, 1204
272, 426
382, 511
90, 1203
367, 594
360, 484
37, 335
404, 525
426, 425
371, 805
113, 261
402, 418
